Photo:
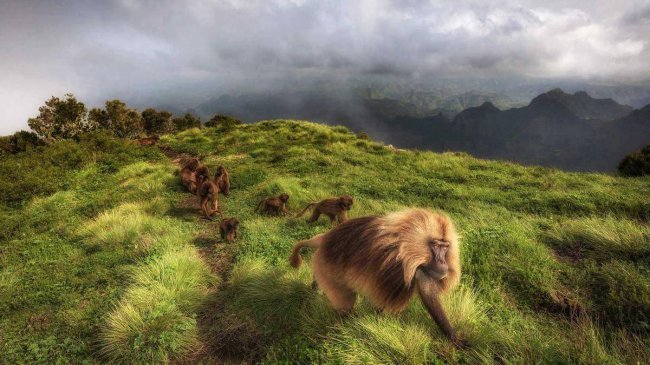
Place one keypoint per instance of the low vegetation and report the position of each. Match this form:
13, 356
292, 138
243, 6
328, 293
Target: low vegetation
107, 265
636, 163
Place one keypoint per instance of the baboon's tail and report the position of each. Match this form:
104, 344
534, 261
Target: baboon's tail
304, 210
295, 260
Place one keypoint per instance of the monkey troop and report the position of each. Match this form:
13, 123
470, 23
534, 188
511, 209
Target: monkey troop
274, 205
229, 229
387, 259
333, 208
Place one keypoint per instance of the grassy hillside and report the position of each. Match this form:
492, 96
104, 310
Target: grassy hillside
112, 263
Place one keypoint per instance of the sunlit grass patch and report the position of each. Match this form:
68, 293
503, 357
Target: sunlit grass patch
57, 211
373, 339
272, 295
601, 238
155, 320
143, 181
180, 276
129, 226
153, 334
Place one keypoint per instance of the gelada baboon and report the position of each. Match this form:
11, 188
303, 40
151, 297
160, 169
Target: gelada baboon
274, 205
333, 208
222, 179
188, 174
202, 174
229, 229
208, 192
386, 259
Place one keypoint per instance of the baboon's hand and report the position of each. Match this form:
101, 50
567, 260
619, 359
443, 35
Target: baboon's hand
459, 342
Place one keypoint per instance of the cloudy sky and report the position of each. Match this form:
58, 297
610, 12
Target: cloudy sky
188, 51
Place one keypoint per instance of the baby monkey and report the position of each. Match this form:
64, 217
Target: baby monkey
275, 205
229, 229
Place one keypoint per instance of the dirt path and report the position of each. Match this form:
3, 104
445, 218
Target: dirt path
219, 256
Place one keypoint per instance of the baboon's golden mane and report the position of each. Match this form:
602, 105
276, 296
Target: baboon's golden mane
386, 252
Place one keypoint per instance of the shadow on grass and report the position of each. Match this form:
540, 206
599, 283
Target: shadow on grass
184, 213
258, 307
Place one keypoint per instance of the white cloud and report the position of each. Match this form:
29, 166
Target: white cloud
146, 50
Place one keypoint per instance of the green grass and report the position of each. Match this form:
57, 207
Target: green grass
103, 267
99, 271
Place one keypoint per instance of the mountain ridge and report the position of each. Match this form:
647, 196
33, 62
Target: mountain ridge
555, 128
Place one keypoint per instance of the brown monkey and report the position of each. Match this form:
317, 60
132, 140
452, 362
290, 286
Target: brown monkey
229, 229
387, 259
188, 174
202, 174
208, 192
333, 208
274, 205
222, 179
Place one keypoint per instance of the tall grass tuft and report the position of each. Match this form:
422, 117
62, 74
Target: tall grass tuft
373, 339
155, 321
602, 238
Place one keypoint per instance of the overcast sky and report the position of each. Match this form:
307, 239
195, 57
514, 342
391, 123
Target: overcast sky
189, 50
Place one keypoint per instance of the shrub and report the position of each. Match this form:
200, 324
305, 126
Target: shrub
636, 163
187, 121
223, 121
18, 142
118, 119
156, 122
363, 135
60, 119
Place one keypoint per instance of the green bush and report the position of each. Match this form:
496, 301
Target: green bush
223, 121
636, 163
45, 169
20, 141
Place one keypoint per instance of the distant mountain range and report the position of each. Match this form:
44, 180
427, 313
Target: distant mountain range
569, 131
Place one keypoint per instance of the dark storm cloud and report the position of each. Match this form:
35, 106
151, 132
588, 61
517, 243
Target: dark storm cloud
154, 51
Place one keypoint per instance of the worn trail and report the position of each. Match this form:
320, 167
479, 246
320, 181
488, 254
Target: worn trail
219, 256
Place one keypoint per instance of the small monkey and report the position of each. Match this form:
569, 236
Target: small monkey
208, 192
229, 229
188, 174
222, 179
333, 208
274, 205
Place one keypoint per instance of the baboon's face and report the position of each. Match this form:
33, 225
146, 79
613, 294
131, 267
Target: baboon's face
203, 172
345, 202
438, 267
193, 164
232, 225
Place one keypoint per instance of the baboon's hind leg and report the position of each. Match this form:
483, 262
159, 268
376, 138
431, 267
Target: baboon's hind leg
341, 297
314, 216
